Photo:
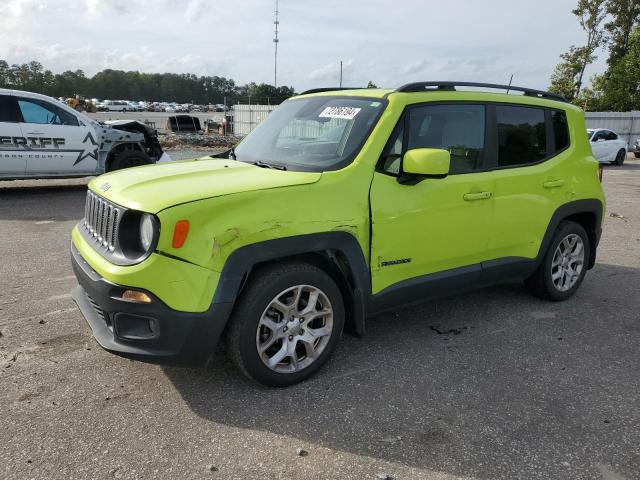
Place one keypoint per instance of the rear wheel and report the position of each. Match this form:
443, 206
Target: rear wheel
286, 324
127, 159
564, 265
620, 158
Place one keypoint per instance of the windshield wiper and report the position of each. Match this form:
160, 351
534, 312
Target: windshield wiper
261, 164
231, 154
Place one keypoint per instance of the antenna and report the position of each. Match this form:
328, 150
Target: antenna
510, 80
340, 73
276, 23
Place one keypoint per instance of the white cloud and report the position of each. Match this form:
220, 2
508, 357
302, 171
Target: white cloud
194, 9
414, 67
236, 41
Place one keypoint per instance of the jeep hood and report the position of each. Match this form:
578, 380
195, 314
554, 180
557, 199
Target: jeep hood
153, 188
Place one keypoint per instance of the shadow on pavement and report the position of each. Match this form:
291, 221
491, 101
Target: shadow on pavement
42, 202
491, 384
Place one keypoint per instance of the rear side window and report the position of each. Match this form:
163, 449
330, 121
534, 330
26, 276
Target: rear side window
560, 129
9, 112
521, 135
457, 128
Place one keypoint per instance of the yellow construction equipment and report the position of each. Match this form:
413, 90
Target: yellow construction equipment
81, 104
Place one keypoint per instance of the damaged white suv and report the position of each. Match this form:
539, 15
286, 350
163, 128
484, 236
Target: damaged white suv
41, 137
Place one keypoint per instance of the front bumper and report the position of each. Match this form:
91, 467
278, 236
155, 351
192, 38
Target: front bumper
150, 332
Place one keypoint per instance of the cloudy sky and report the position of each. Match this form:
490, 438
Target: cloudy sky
390, 42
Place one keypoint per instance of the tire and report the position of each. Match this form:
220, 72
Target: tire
636, 154
254, 313
620, 156
544, 283
127, 159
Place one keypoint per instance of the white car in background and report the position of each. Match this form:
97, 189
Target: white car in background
607, 146
41, 137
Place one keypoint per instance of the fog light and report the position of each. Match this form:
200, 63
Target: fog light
136, 297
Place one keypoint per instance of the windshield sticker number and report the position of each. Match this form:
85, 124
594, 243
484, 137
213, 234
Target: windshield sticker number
348, 113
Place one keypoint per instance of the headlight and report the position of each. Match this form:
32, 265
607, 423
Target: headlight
146, 231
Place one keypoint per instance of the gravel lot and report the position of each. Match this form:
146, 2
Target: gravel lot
515, 388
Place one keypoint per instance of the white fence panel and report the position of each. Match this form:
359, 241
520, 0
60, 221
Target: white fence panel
247, 117
625, 124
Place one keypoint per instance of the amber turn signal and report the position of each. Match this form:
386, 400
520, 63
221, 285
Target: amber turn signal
135, 296
180, 232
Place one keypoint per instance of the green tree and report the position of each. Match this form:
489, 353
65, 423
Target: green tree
624, 18
619, 89
567, 78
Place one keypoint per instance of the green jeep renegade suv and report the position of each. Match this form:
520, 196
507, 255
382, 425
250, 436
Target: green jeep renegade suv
340, 205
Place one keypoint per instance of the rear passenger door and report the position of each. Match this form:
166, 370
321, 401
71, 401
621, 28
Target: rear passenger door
13, 160
531, 181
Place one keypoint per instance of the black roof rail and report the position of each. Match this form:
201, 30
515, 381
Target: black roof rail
329, 89
451, 86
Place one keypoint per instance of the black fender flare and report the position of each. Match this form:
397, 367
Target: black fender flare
591, 206
240, 263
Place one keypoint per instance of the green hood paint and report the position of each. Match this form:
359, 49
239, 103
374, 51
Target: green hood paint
156, 187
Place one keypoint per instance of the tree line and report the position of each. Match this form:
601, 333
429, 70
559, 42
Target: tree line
613, 25
133, 85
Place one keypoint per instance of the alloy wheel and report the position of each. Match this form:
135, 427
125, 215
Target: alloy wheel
294, 329
568, 262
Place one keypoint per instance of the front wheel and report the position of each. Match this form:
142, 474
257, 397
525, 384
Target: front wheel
564, 265
128, 158
286, 324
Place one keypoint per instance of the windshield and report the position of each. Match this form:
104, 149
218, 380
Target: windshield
317, 133
590, 133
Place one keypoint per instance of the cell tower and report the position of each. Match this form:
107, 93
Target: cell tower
276, 23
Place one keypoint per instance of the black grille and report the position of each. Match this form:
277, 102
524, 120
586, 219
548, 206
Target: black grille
101, 220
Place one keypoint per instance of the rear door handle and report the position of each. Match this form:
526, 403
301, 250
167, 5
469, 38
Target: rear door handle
553, 183
469, 197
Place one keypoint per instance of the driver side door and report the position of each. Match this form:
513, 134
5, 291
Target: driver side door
434, 233
599, 146
57, 142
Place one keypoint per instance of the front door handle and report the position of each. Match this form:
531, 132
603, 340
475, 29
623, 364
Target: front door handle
469, 197
553, 183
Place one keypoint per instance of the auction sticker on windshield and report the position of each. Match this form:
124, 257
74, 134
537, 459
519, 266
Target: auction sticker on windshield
348, 113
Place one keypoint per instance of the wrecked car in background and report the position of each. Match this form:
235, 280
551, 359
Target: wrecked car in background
43, 138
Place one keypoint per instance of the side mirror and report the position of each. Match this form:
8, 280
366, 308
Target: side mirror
421, 163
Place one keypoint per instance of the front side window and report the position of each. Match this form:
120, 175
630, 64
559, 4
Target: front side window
392, 155
41, 112
457, 128
312, 134
521, 135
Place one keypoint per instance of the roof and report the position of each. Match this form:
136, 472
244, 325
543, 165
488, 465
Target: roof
447, 91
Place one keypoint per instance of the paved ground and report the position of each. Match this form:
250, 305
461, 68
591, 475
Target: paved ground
519, 388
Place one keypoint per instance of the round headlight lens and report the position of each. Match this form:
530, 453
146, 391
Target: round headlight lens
146, 231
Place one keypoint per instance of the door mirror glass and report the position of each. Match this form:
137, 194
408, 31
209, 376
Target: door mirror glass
428, 162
